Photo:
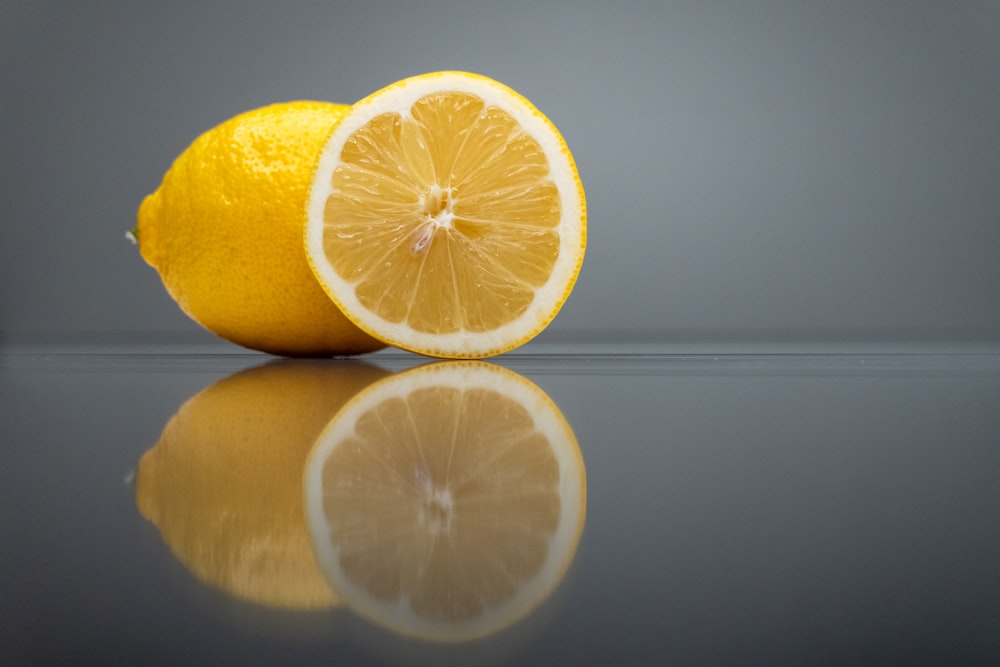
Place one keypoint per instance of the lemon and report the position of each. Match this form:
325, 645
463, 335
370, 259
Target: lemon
224, 231
224, 483
446, 502
447, 216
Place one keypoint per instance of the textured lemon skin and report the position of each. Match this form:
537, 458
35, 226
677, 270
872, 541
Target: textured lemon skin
224, 483
224, 231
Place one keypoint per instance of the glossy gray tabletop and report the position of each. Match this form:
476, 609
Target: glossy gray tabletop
808, 508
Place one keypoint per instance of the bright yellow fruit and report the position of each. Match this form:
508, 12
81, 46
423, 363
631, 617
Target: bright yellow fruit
447, 216
446, 502
224, 483
224, 231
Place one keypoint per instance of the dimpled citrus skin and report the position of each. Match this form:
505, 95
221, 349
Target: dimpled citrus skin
224, 230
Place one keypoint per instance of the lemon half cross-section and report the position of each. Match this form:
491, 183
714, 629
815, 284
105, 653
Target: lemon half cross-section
447, 216
446, 502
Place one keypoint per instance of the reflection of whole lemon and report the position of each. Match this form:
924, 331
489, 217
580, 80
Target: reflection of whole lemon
224, 483
225, 231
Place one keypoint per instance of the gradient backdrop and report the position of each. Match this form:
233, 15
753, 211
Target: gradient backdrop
778, 170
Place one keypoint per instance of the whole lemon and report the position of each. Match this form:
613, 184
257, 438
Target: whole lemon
224, 482
225, 230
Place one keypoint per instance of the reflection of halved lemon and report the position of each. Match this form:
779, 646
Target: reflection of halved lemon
447, 216
224, 483
446, 502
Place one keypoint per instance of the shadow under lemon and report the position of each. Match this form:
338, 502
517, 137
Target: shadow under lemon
446, 502
224, 483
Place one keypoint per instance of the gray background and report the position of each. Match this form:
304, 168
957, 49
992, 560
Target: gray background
783, 171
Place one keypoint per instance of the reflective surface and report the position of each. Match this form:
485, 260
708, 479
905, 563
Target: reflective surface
740, 509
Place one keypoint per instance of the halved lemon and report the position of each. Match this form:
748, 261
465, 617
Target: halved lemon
446, 502
447, 216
